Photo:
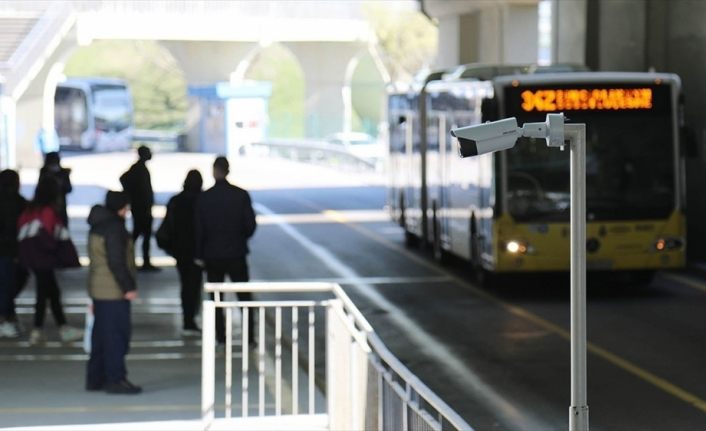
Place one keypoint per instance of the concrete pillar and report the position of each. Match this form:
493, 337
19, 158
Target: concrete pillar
8, 145
324, 66
621, 35
485, 32
569, 31
520, 33
205, 62
34, 109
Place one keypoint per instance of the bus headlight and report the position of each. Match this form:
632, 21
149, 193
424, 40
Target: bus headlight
517, 247
668, 243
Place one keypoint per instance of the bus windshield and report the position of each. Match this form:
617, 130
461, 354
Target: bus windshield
112, 107
629, 169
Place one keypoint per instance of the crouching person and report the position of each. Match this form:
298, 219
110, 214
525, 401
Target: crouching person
111, 286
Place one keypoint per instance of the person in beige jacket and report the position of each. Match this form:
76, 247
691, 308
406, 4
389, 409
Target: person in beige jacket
111, 286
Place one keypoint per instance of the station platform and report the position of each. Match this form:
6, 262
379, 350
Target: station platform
43, 385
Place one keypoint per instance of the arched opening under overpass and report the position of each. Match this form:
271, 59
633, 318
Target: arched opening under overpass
155, 78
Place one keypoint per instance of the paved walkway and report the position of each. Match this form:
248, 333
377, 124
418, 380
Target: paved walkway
43, 385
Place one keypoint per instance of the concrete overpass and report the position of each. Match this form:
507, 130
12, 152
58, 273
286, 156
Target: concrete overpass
212, 41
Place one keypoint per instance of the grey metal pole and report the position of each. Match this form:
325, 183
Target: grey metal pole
578, 412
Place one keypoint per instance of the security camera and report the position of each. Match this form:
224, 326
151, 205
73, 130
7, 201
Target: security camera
487, 137
502, 135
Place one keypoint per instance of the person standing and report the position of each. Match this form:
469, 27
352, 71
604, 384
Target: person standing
177, 237
52, 168
11, 206
138, 185
225, 220
111, 286
44, 246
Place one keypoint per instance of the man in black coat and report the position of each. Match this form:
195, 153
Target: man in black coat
138, 186
225, 220
176, 236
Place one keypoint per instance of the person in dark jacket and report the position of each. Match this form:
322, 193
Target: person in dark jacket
138, 185
181, 244
44, 245
52, 168
111, 286
11, 206
225, 220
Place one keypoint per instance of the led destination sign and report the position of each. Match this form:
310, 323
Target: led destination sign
585, 99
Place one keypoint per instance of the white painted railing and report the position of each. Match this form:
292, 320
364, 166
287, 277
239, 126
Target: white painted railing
366, 387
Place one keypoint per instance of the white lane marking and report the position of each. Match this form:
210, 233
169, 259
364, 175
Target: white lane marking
361, 216
139, 344
686, 281
73, 300
135, 310
510, 414
84, 357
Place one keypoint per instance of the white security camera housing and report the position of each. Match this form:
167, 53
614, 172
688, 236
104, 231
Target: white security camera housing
487, 137
502, 135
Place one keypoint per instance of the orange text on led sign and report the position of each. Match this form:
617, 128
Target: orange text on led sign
585, 99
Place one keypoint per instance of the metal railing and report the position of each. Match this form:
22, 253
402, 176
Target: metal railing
24, 64
365, 386
312, 151
219, 8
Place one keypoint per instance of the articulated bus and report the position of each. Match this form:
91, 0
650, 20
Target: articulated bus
508, 212
93, 114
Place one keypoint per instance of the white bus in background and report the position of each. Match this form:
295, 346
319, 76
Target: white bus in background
94, 114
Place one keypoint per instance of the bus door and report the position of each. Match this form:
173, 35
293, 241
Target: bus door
412, 169
445, 154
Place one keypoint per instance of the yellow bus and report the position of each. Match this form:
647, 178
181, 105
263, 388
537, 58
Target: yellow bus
508, 212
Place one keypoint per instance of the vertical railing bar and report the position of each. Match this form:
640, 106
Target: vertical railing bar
405, 408
295, 360
229, 362
312, 359
208, 359
380, 399
278, 361
261, 364
330, 367
244, 396
353, 383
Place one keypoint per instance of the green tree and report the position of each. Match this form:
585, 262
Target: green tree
156, 82
277, 65
407, 40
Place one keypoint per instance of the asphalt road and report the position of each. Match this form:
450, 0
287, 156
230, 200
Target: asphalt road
499, 357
